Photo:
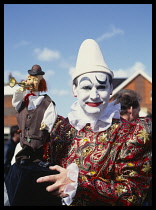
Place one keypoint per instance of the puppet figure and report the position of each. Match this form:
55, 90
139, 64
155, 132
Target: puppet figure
36, 115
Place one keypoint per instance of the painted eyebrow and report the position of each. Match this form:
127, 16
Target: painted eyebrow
101, 82
85, 78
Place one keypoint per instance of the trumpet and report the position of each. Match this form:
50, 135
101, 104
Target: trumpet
13, 82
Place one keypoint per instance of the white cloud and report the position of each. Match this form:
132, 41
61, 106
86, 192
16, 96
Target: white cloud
21, 44
60, 92
48, 74
107, 35
64, 64
129, 71
20, 75
71, 69
46, 54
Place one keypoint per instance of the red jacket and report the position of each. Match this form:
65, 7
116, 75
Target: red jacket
115, 165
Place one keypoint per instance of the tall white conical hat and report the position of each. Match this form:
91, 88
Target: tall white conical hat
90, 59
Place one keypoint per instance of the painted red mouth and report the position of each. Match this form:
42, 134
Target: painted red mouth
94, 104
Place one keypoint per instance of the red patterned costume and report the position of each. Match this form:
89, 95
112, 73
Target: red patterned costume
115, 165
113, 155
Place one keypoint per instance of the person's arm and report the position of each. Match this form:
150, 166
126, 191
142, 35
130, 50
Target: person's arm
123, 179
131, 174
65, 183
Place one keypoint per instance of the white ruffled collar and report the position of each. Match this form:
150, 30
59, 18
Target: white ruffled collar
78, 119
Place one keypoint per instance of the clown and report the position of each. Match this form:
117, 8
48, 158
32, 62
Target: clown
102, 160
36, 115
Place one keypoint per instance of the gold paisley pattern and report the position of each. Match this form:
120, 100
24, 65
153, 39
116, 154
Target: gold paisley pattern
114, 165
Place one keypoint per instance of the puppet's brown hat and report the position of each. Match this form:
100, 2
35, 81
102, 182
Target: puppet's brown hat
36, 70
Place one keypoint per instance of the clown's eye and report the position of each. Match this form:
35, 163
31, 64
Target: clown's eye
86, 88
101, 87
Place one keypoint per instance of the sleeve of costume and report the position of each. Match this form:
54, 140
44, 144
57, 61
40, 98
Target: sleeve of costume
125, 180
70, 189
17, 99
17, 149
50, 116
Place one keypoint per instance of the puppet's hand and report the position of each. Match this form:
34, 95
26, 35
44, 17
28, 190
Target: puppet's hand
43, 126
21, 89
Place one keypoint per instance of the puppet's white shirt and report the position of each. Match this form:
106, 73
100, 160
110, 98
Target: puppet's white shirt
50, 114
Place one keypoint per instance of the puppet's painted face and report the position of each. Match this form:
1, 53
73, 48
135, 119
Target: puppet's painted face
34, 81
93, 92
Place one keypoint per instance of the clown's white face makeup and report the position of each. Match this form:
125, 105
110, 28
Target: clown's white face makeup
93, 92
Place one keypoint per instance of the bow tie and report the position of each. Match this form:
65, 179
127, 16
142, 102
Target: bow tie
26, 98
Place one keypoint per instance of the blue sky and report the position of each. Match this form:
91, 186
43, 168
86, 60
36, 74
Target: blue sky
50, 35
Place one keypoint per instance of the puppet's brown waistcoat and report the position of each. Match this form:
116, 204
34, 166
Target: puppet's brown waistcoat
29, 122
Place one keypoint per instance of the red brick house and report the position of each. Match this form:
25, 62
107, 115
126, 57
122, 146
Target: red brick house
139, 82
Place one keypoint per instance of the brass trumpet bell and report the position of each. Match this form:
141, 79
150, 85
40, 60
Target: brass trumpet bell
13, 82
